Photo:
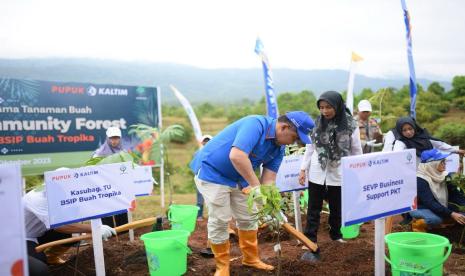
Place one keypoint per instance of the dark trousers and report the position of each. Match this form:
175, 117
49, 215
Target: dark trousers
316, 194
31, 251
200, 201
52, 235
37, 267
120, 219
49, 236
37, 261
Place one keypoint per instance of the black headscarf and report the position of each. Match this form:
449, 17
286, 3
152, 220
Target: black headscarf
332, 138
342, 112
420, 140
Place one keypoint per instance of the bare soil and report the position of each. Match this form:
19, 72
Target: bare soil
356, 257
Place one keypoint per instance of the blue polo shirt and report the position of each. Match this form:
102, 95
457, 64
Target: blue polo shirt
254, 135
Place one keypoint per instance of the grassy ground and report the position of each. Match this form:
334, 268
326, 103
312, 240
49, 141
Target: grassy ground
180, 155
149, 206
182, 181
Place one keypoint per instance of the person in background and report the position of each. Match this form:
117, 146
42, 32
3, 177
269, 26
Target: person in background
200, 200
370, 133
207, 251
435, 197
225, 175
38, 229
111, 146
335, 135
409, 135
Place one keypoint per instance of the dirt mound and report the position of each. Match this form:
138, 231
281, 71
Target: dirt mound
356, 257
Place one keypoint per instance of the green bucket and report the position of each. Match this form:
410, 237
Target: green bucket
304, 199
167, 252
351, 232
415, 253
183, 217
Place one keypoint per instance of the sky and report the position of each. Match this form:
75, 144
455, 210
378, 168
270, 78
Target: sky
307, 34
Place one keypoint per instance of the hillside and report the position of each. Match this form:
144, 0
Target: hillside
198, 85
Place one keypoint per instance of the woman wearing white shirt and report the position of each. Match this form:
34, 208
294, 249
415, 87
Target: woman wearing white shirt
409, 135
335, 135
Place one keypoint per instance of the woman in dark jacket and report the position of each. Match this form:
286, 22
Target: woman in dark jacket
434, 194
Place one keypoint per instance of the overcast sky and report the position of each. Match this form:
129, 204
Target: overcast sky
305, 34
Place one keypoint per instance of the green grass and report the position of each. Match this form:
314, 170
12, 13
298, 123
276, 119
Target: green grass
149, 206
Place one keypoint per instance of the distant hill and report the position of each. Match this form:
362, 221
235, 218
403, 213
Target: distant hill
197, 84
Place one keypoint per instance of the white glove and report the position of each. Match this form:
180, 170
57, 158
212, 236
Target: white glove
107, 231
371, 143
283, 217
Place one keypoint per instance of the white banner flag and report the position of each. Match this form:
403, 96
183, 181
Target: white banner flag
350, 87
190, 112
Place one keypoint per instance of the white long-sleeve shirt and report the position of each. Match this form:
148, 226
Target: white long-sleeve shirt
391, 144
331, 175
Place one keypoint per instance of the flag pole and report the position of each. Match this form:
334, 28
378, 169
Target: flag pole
270, 95
350, 86
411, 67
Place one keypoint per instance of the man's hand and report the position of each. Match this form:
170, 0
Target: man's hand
459, 218
107, 232
256, 195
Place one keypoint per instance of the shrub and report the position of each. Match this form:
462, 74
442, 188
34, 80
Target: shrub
459, 102
452, 133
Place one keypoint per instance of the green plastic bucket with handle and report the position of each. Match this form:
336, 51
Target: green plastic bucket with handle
415, 253
166, 252
351, 232
304, 199
183, 217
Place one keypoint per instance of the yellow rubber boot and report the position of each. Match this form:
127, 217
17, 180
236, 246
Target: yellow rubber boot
419, 225
55, 255
221, 252
249, 246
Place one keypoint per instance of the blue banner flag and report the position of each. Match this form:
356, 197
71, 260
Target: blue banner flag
271, 102
413, 79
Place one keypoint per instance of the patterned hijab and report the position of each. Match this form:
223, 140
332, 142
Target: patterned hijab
332, 138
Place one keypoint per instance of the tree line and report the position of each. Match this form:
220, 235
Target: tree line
433, 103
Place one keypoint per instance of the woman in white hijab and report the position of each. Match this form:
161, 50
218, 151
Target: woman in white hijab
434, 194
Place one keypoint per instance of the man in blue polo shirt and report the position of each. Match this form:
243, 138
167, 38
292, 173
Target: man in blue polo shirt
225, 174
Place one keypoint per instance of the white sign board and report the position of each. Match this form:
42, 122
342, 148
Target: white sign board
88, 192
13, 253
378, 185
287, 178
453, 162
142, 180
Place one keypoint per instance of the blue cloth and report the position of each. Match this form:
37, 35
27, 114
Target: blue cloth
254, 135
426, 199
433, 155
